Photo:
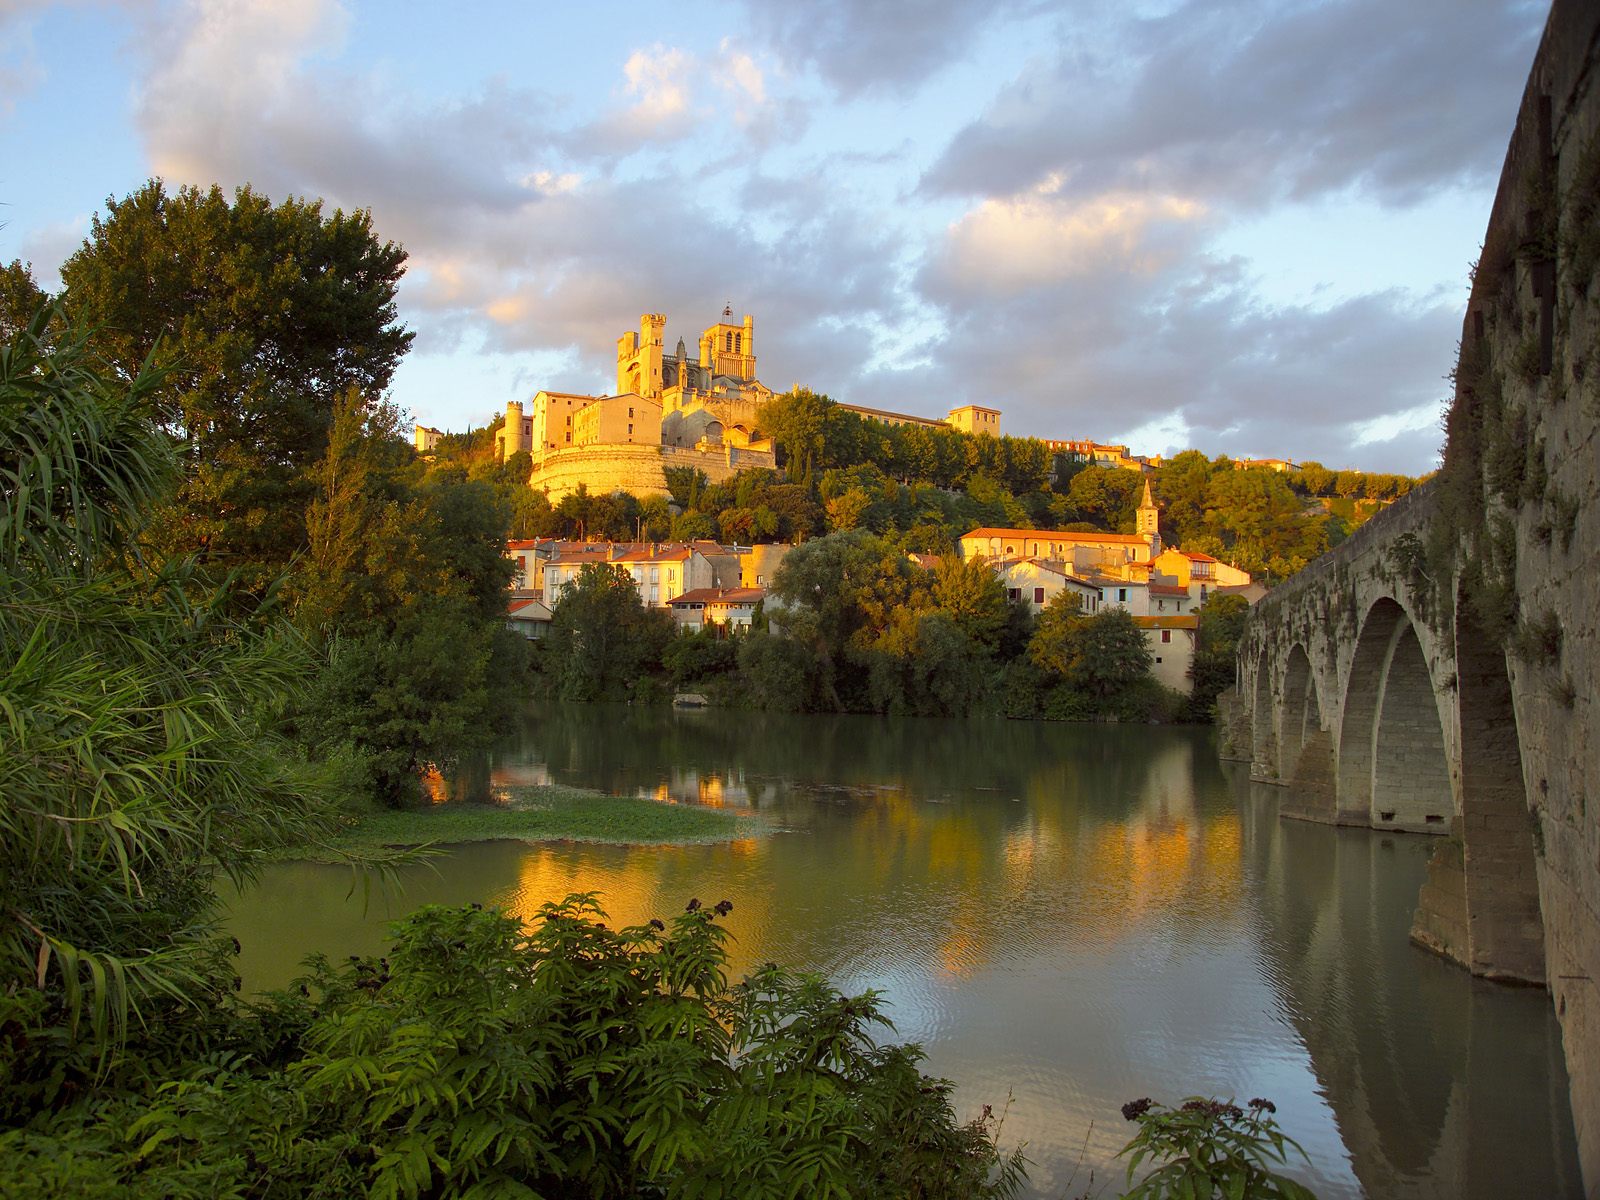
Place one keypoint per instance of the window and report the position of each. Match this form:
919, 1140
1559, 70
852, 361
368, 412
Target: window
1122, 593
630, 414
630, 429
1158, 658
1166, 636
1013, 593
655, 594
1038, 595
569, 437
655, 574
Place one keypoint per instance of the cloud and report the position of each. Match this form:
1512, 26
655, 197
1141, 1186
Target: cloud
1252, 101
1005, 245
20, 71
1084, 297
884, 46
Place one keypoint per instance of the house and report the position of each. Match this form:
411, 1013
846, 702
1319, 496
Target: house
1199, 574
1038, 583
1080, 551
1171, 641
729, 607
660, 570
528, 616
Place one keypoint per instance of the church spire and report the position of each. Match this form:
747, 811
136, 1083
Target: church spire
1149, 520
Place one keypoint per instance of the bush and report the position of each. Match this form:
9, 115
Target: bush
481, 1058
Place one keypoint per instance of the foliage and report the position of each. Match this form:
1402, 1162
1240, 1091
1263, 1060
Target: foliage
603, 641
482, 1058
777, 672
1209, 1148
138, 750
261, 315
403, 587
699, 656
1216, 641
20, 298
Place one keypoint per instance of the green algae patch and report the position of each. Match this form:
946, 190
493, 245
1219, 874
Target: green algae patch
551, 813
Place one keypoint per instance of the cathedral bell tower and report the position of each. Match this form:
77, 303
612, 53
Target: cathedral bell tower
1149, 521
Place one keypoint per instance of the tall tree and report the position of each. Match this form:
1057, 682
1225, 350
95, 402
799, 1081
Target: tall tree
20, 298
260, 315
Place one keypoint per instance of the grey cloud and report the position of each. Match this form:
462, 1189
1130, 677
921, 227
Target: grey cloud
885, 45
1255, 100
1100, 355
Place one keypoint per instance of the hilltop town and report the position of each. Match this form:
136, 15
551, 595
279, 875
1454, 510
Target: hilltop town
622, 481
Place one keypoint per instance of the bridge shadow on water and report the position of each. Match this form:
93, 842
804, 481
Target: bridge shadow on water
1442, 1084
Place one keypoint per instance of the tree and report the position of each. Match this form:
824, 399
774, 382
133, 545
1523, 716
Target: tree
1097, 656
837, 593
1106, 496
403, 587
972, 596
20, 299
603, 641
258, 317
1216, 641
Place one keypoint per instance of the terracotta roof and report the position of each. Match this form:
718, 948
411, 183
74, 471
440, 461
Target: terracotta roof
526, 543
520, 606
1196, 556
1057, 535
1187, 621
660, 554
720, 596
1167, 589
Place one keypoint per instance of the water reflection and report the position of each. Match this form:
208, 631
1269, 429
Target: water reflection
1073, 915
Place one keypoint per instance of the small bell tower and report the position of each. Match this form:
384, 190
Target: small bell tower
1149, 521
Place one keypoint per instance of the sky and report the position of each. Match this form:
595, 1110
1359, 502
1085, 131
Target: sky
1243, 226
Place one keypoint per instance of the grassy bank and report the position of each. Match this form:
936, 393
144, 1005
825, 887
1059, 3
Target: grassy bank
551, 813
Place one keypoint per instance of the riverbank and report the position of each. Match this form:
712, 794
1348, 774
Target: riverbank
546, 813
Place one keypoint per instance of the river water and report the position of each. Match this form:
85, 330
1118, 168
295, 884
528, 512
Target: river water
1069, 916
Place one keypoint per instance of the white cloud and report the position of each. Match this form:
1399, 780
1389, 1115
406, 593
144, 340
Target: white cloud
1039, 238
658, 77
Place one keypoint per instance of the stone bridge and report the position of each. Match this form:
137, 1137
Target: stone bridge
1437, 674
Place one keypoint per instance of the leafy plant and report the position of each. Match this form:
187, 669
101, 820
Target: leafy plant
1210, 1148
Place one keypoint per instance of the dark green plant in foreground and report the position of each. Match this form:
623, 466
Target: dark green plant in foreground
482, 1057
1210, 1148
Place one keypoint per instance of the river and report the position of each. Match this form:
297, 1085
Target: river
1069, 916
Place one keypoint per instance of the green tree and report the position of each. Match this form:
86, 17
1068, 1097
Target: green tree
259, 315
1216, 642
20, 299
603, 641
837, 593
972, 596
1107, 497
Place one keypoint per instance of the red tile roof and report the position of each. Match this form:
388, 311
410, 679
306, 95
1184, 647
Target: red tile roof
1059, 535
720, 596
1167, 589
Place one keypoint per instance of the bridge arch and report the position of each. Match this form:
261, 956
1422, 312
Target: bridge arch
1302, 710
1505, 925
1394, 770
